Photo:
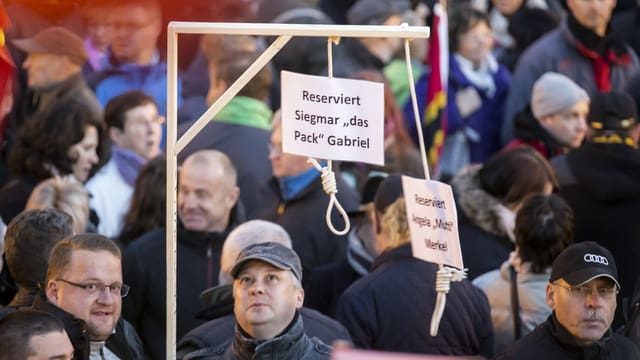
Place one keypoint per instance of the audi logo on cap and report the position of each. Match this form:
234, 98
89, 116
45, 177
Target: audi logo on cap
596, 259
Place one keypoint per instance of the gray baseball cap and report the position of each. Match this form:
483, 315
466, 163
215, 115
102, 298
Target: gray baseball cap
272, 253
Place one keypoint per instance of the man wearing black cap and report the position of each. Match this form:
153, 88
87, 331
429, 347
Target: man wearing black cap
582, 293
389, 309
267, 294
601, 182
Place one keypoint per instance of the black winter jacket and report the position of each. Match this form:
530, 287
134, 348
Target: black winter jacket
144, 269
601, 183
390, 310
124, 343
292, 344
551, 341
221, 328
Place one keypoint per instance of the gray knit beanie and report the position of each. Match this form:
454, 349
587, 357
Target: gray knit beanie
553, 92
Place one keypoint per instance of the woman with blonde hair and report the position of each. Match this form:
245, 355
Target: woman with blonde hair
65, 194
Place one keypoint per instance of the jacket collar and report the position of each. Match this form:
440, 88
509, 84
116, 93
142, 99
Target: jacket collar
75, 328
400, 253
218, 301
527, 128
596, 350
215, 239
292, 186
357, 256
290, 344
610, 46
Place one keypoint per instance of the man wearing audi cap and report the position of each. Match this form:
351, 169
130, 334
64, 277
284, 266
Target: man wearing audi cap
582, 292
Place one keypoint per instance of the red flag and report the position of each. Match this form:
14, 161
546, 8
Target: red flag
7, 69
435, 116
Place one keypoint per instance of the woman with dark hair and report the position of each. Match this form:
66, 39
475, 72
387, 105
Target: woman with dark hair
488, 198
147, 209
65, 139
544, 227
476, 95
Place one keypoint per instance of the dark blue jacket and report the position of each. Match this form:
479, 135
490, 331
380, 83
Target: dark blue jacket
390, 310
486, 121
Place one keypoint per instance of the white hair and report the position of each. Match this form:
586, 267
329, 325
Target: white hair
248, 233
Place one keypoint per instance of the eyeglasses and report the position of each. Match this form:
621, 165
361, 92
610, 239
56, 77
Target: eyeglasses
583, 291
95, 288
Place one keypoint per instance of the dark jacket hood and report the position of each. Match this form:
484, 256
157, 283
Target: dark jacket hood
608, 172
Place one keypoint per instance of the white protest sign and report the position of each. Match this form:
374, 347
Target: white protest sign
332, 118
433, 221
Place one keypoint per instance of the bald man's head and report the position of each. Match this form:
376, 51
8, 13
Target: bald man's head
249, 233
207, 191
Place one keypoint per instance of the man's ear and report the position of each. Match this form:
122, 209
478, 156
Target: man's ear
115, 134
299, 298
233, 196
51, 292
550, 296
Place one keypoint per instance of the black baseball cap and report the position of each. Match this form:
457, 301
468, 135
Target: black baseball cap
273, 253
614, 111
389, 190
583, 262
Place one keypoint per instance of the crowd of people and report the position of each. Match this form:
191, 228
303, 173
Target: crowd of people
541, 133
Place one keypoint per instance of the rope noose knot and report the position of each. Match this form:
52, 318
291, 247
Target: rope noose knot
444, 277
329, 181
331, 188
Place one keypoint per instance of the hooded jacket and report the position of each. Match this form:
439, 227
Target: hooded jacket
601, 183
483, 227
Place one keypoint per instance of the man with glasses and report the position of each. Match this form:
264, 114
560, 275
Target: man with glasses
133, 60
582, 293
135, 129
84, 289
